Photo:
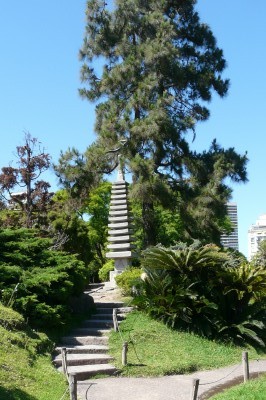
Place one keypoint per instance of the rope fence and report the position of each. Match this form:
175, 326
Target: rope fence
246, 375
116, 312
221, 379
195, 382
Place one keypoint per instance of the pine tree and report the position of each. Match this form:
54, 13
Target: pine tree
150, 66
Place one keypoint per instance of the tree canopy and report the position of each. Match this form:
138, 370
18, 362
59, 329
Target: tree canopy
151, 67
34, 196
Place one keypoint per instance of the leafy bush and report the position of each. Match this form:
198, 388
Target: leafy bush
36, 280
129, 280
104, 271
205, 290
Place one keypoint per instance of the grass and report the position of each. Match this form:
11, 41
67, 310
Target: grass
251, 390
156, 350
26, 370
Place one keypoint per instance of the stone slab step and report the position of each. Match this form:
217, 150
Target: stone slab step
103, 310
102, 316
115, 304
83, 359
84, 340
93, 286
86, 348
98, 323
86, 371
89, 332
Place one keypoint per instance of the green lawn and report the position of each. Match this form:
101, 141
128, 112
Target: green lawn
252, 390
156, 350
26, 370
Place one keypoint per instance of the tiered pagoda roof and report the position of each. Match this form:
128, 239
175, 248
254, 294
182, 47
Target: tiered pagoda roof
120, 225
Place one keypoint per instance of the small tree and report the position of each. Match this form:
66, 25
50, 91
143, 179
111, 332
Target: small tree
32, 161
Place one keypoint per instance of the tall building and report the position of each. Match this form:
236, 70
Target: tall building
256, 234
231, 240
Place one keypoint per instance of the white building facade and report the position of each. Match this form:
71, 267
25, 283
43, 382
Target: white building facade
256, 234
231, 240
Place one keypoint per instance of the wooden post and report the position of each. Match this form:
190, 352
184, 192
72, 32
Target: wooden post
245, 365
115, 319
73, 387
64, 360
124, 353
195, 387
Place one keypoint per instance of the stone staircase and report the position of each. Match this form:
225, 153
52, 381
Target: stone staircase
87, 347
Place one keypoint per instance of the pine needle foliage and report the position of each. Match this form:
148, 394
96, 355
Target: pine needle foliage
151, 67
37, 281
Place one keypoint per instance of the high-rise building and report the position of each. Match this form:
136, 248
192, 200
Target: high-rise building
256, 234
231, 240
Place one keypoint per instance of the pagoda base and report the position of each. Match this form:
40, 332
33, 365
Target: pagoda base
120, 265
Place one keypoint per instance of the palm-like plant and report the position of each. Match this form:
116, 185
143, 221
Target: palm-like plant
204, 289
242, 304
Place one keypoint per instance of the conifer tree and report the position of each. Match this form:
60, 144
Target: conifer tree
150, 66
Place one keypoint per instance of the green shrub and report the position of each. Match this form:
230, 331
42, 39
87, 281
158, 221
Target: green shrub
205, 290
36, 280
104, 271
129, 280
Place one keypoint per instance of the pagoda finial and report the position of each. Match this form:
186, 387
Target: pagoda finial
120, 174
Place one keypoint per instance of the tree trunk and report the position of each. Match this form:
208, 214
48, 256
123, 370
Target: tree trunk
149, 224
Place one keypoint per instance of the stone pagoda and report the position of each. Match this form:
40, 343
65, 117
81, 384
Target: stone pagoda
119, 227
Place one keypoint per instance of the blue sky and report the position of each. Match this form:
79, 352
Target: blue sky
39, 81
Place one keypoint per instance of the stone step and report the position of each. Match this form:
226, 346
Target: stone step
104, 311
87, 349
107, 316
89, 332
86, 371
96, 285
83, 359
98, 323
100, 306
84, 340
